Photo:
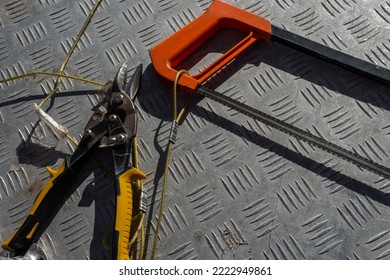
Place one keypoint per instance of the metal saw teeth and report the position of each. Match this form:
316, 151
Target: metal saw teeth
297, 132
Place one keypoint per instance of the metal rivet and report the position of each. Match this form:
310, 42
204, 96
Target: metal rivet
88, 133
121, 138
112, 118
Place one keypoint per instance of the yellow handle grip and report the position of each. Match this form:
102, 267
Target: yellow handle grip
124, 212
38, 217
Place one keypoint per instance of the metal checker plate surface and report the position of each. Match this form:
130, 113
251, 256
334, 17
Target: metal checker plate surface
237, 189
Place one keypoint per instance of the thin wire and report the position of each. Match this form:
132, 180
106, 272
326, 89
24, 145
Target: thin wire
142, 243
134, 238
69, 137
176, 119
30, 74
63, 66
141, 215
35, 73
61, 72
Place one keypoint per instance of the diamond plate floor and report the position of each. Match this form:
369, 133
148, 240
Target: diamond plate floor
237, 189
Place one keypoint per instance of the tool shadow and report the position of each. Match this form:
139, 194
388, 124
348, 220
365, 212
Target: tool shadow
164, 96
39, 97
37, 149
297, 64
224, 123
319, 73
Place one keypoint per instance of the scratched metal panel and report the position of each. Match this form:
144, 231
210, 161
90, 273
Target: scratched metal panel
237, 189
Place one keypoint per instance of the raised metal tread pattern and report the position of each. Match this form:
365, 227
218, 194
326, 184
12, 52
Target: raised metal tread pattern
237, 188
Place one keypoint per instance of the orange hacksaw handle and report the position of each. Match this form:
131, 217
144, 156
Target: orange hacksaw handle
169, 53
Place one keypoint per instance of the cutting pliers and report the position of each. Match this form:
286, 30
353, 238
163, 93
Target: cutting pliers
112, 126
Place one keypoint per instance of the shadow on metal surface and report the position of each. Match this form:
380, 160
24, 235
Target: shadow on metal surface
333, 82
321, 73
264, 142
39, 97
344, 180
100, 192
38, 155
96, 184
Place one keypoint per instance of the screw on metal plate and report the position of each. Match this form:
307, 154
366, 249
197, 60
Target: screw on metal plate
88, 134
112, 118
113, 140
121, 138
